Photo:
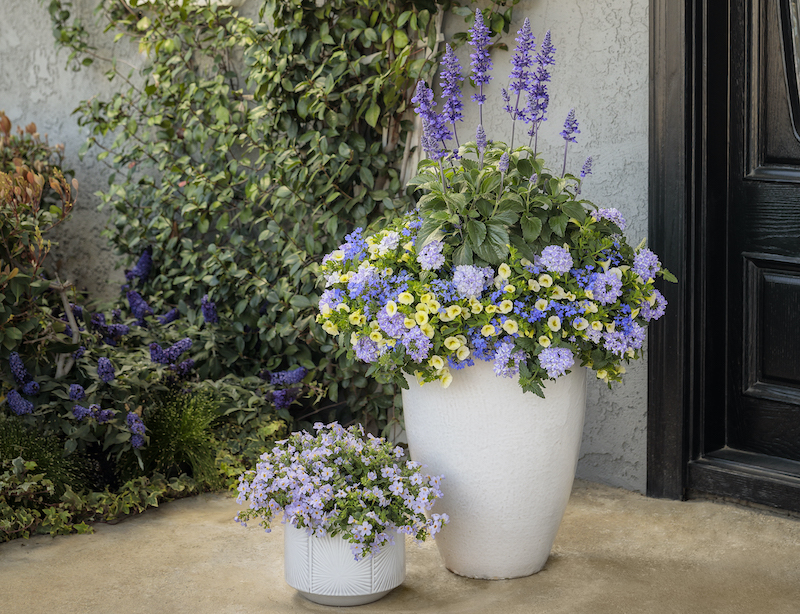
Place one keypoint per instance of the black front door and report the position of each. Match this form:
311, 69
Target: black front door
739, 432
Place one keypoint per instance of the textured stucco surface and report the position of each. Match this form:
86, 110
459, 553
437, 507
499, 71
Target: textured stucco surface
600, 71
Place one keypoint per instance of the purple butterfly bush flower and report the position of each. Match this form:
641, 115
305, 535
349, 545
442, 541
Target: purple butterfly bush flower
78, 354
169, 317
137, 441
287, 378
17, 404
183, 369
556, 361
104, 415
283, 398
135, 423
209, 309
139, 307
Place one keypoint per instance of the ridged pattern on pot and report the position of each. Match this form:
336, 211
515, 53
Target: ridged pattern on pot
324, 571
508, 459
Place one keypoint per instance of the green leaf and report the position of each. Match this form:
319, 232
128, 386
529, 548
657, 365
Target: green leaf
462, 255
373, 115
668, 276
476, 231
559, 224
531, 228
574, 209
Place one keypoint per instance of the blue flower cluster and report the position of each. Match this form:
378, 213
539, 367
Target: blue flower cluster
17, 404
136, 426
209, 309
139, 307
105, 370
171, 354
287, 378
142, 268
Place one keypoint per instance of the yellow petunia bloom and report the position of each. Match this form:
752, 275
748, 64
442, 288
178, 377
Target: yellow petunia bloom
554, 323
545, 281
355, 318
391, 308
504, 271
541, 304
580, 323
491, 308
375, 335
597, 325
452, 344
463, 352
510, 326
544, 341
409, 323
446, 379
487, 330
437, 362
405, 298
505, 306
533, 285
421, 317
428, 330
453, 311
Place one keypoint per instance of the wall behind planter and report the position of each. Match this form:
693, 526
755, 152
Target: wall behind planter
601, 72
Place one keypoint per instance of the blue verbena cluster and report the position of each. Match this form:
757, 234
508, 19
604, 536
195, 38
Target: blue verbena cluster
611, 214
17, 404
431, 257
470, 281
105, 370
506, 360
142, 268
209, 309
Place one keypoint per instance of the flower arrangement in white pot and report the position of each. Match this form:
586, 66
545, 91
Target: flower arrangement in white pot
501, 268
348, 503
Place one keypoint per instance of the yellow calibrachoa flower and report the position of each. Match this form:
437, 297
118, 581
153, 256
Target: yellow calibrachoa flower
408, 246
421, 317
590, 308
571, 296
603, 375
446, 379
428, 330
354, 338
330, 328
554, 323
533, 285
434, 306
345, 277
375, 335
491, 308
544, 341
338, 255
405, 298
443, 317
343, 307
488, 330
325, 310
453, 311
541, 304
475, 306
504, 271
589, 294
391, 308
505, 306
374, 325
635, 312
452, 344
409, 323
423, 307
355, 318
597, 325
462, 339
580, 323
510, 326
426, 298
610, 327
437, 362
463, 353
510, 289
558, 293
545, 281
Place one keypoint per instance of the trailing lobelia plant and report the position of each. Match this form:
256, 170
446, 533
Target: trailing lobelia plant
338, 483
500, 261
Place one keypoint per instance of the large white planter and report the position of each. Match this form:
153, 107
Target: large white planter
508, 459
323, 570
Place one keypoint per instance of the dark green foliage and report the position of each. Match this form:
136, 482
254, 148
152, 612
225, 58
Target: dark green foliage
181, 439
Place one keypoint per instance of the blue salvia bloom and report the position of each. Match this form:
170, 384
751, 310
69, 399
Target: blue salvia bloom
105, 370
480, 137
451, 78
170, 316
481, 62
502, 166
538, 97
76, 392
143, 266
570, 128
18, 369
17, 404
507, 99
434, 128
139, 308
209, 310
521, 61
587, 167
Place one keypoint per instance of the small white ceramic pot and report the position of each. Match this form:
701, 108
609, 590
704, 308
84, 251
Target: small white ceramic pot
323, 569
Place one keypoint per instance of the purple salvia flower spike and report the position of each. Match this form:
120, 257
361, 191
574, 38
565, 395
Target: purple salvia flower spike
520, 70
434, 129
451, 78
568, 134
587, 167
538, 97
480, 137
481, 62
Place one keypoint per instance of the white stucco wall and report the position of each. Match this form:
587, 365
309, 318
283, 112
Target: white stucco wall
600, 71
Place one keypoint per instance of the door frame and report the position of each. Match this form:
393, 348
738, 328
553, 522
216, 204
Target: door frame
681, 209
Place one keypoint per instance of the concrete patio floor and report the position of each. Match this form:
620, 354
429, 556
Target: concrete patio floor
616, 552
